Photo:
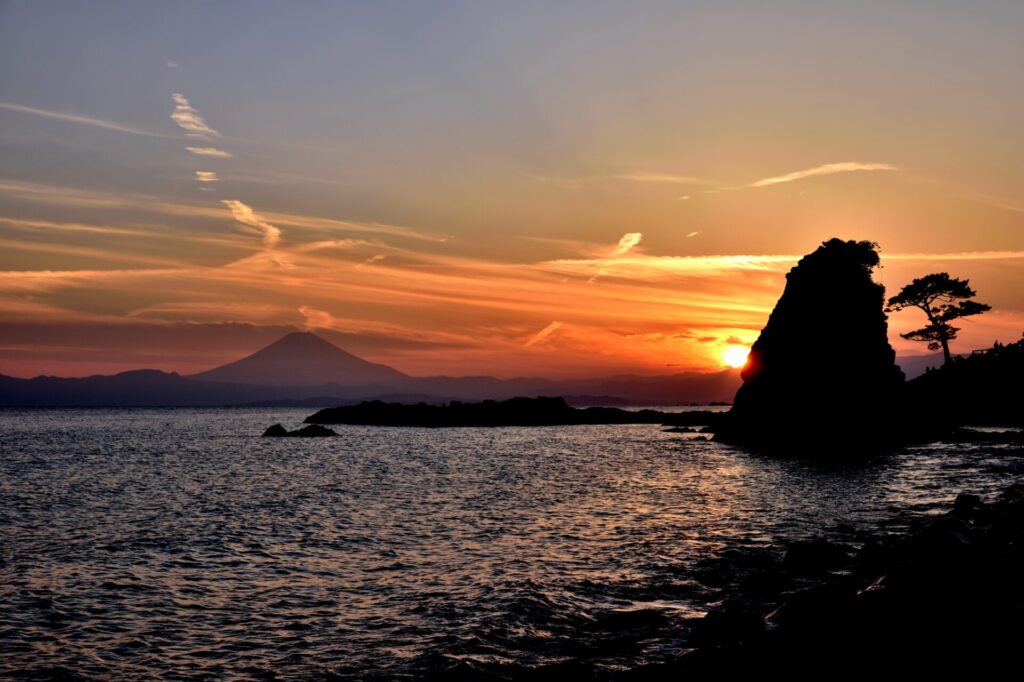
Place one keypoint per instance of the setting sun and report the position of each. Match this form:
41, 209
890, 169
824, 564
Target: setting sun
735, 356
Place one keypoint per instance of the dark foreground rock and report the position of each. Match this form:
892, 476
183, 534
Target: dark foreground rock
311, 431
514, 412
950, 592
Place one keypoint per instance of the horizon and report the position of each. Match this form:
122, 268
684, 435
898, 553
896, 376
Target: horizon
912, 365
563, 192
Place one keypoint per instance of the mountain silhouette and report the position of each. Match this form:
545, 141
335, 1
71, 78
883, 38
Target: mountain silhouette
304, 369
302, 359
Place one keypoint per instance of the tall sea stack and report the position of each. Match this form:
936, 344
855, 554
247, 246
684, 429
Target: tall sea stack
822, 374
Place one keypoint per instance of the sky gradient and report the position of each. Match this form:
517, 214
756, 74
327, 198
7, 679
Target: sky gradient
490, 188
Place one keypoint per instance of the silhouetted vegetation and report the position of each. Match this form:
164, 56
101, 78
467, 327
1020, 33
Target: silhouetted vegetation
978, 389
943, 299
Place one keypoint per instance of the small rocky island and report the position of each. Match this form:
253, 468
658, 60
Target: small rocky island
514, 412
311, 431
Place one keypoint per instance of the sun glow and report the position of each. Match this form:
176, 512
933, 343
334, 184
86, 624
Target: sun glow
735, 356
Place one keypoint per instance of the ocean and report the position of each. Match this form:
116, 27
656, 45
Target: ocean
177, 543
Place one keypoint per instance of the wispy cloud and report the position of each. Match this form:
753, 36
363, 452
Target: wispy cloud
188, 119
625, 245
171, 64
88, 252
206, 176
664, 178
62, 195
637, 176
245, 215
332, 224
955, 256
84, 120
150, 231
693, 234
628, 241
543, 334
70, 227
210, 151
316, 319
824, 169
59, 195
377, 331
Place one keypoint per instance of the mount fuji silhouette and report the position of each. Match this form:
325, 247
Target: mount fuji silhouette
301, 359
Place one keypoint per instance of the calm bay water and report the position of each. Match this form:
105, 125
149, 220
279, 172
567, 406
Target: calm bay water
177, 543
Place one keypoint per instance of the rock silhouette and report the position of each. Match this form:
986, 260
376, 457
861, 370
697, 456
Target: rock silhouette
822, 370
542, 411
311, 431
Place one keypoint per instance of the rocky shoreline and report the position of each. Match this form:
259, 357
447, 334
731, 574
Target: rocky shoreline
930, 594
948, 591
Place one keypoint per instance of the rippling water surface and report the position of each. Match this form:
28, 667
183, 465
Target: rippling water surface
177, 543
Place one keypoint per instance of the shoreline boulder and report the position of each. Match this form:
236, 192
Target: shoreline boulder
311, 431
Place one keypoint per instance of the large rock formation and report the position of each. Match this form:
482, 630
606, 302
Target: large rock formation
822, 373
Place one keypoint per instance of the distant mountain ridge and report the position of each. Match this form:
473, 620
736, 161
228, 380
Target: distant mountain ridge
304, 369
302, 359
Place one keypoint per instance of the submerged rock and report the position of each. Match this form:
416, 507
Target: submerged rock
822, 370
311, 431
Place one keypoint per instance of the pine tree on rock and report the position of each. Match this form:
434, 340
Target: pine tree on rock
942, 299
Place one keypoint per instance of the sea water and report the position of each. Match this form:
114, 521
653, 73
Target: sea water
178, 543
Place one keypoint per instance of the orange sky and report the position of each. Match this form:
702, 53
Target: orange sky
629, 203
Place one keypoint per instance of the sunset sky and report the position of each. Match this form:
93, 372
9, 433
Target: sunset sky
509, 188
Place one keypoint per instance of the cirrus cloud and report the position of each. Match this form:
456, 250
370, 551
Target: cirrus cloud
626, 243
245, 215
210, 151
75, 118
188, 119
824, 169
543, 334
